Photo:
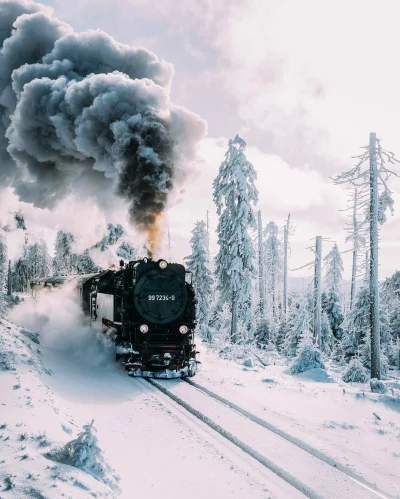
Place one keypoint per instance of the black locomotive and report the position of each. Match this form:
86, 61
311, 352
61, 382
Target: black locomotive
148, 307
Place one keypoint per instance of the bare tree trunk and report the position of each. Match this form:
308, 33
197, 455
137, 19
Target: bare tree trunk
208, 237
234, 318
373, 264
9, 282
261, 268
367, 269
355, 253
317, 291
285, 266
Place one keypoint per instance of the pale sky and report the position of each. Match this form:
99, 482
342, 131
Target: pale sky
302, 82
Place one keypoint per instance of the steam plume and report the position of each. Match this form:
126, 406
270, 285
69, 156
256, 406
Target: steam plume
81, 113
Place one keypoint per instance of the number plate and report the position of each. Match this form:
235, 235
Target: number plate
161, 297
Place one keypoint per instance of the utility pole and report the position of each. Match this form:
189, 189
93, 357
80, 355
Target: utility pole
169, 244
285, 265
317, 291
373, 263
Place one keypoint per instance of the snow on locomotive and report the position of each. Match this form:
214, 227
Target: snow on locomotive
149, 308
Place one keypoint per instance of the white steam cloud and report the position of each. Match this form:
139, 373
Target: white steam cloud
57, 315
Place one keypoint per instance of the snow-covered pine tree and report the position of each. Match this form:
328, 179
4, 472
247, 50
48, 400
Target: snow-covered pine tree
65, 261
85, 263
327, 338
114, 234
127, 252
84, 453
300, 321
333, 264
19, 220
235, 194
197, 263
273, 273
307, 355
356, 324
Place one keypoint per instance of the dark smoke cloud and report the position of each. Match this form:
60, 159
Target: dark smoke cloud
82, 113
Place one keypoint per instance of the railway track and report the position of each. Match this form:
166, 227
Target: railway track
308, 470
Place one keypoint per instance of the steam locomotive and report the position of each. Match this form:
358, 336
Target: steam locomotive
147, 307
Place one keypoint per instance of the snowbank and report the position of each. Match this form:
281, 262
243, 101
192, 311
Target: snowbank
31, 425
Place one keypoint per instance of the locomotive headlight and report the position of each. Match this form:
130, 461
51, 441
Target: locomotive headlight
144, 328
183, 329
163, 264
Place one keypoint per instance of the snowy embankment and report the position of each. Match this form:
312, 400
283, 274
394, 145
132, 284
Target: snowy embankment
155, 447
33, 427
346, 422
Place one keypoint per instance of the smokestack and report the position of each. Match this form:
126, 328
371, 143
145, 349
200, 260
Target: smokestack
83, 114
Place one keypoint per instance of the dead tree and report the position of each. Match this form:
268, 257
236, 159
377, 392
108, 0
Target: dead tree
370, 176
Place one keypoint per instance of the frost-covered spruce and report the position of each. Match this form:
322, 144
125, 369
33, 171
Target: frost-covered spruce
333, 275
84, 453
327, 338
235, 194
308, 356
197, 263
274, 271
127, 252
355, 372
65, 260
300, 321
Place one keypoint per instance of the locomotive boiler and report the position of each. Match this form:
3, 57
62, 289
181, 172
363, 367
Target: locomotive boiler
148, 308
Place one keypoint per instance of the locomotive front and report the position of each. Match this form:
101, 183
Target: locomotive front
160, 329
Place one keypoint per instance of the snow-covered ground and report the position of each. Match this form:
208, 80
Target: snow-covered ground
345, 421
155, 446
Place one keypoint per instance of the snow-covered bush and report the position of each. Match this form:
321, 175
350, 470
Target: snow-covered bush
377, 386
307, 357
355, 372
84, 453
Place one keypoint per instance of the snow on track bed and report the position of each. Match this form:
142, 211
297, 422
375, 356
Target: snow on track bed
303, 445
303, 470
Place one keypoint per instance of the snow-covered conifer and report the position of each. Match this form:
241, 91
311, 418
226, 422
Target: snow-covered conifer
356, 324
84, 453
85, 264
19, 220
197, 263
114, 234
299, 323
333, 278
327, 338
355, 372
308, 356
235, 194
274, 271
65, 261
127, 252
